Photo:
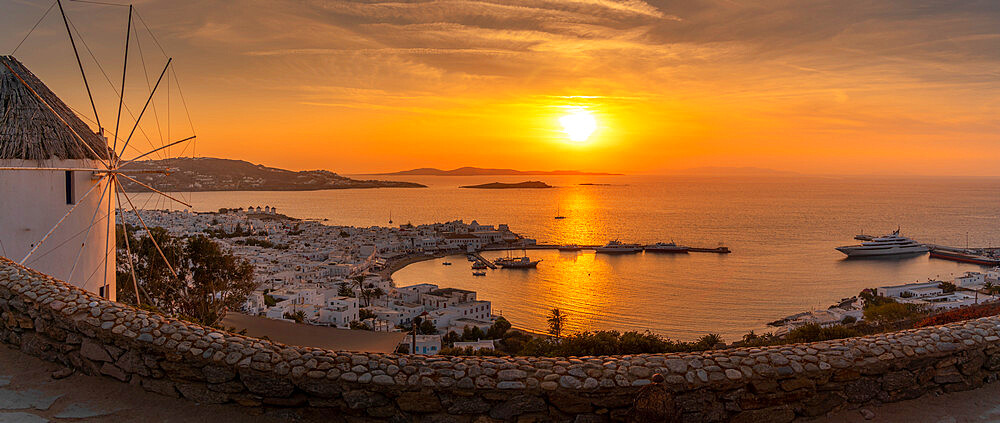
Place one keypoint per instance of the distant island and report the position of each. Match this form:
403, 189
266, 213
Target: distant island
478, 171
502, 185
213, 174
731, 171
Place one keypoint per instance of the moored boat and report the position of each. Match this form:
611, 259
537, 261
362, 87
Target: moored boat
516, 262
966, 256
892, 244
617, 247
666, 247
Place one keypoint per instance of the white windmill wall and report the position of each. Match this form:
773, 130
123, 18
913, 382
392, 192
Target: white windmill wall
33, 201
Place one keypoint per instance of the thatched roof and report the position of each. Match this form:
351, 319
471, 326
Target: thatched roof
30, 131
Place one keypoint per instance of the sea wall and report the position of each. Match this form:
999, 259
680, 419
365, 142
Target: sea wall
50, 319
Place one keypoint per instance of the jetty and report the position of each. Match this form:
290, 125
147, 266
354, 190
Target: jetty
716, 250
480, 259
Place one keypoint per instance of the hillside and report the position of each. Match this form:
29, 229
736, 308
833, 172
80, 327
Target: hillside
478, 171
212, 174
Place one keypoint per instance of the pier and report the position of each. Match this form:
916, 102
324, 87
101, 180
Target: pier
480, 259
716, 250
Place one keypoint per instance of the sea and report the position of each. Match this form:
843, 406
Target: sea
782, 231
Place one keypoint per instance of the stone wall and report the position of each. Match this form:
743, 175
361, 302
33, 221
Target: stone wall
55, 321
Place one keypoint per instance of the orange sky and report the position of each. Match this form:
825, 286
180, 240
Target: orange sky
843, 86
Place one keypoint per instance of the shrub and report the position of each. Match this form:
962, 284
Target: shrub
892, 312
960, 314
813, 332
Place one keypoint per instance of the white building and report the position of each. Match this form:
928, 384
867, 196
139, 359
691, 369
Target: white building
426, 344
482, 344
34, 201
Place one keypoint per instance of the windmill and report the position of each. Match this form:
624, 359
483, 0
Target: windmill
61, 179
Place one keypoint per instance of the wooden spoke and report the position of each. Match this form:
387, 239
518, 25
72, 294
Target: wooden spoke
143, 111
68, 169
39, 244
158, 149
128, 249
155, 244
83, 244
155, 190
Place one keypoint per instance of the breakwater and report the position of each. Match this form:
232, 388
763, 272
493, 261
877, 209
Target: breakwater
50, 319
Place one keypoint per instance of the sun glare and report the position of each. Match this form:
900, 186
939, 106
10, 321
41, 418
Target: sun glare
578, 124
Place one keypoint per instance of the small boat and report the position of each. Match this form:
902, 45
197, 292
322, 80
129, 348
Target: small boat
667, 247
480, 273
447, 263
863, 237
478, 266
617, 247
559, 215
570, 247
516, 263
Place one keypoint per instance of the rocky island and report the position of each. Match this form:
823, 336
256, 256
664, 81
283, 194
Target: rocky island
478, 171
212, 174
502, 185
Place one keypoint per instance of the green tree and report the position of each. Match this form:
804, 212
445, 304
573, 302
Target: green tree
344, 290
365, 314
472, 333
299, 316
206, 281
427, 328
557, 321
947, 287
498, 329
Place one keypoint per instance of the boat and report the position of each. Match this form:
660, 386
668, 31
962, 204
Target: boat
570, 247
559, 215
966, 256
887, 245
617, 247
667, 247
479, 273
478, 266
447, 263
516, 262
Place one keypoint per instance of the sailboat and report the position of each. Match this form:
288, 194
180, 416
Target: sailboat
390, 216
559, 215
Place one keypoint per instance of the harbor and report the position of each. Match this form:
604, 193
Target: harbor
594, 247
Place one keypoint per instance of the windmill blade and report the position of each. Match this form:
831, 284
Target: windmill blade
68, 169
158, 149
128, 249
85, 237
143, 111
151, 238
155, 190
39, 244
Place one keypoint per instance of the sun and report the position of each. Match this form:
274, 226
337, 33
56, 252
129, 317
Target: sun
578, 124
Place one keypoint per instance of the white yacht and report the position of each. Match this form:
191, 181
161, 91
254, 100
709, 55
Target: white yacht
892, 244
617, 247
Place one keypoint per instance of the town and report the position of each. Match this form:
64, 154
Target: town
970, 289
338, 276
